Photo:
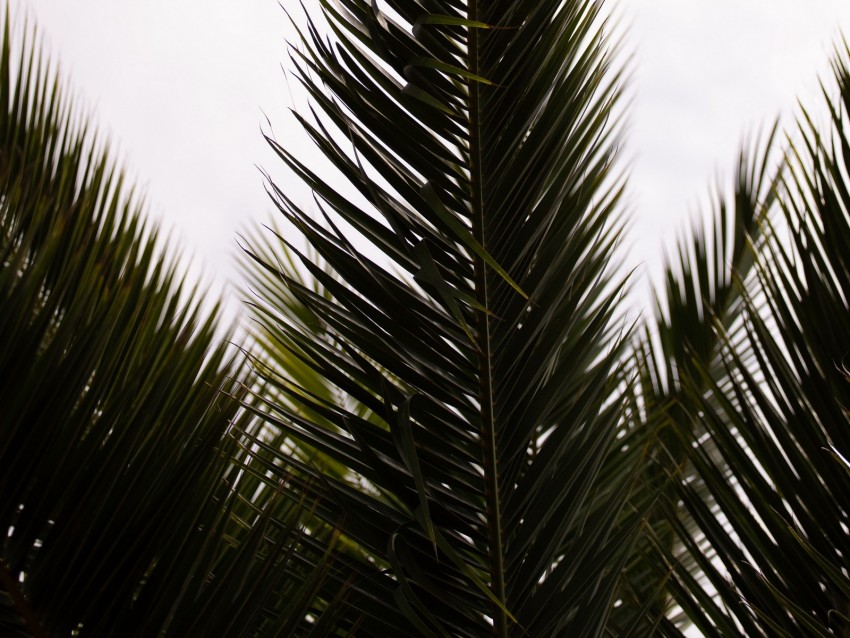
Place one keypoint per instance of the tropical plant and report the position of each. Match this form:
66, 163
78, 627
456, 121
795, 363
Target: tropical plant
127, 504
760, 508
464, 148
450, 430
473, 369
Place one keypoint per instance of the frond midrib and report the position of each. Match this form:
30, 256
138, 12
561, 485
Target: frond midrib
484, 339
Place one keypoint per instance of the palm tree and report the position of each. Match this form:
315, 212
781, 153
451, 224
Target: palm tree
449, 430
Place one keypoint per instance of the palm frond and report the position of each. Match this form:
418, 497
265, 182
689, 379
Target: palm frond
677, 353
126, 504
765, 412
481, 349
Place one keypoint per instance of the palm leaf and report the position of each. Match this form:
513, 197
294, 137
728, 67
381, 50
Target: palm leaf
768, 407
677, 354
127, 503
481, 348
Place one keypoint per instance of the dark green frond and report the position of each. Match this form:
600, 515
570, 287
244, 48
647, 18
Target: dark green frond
472, 368
757, 421
121, 510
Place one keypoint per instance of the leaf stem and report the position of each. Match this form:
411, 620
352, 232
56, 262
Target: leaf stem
484, 328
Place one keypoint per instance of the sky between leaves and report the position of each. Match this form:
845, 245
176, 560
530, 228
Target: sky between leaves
183, 88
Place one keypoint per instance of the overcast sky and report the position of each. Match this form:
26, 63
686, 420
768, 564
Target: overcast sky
183, 89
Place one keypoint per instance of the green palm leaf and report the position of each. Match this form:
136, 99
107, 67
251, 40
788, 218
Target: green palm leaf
677, 355
129, 503
473, 367
756, 421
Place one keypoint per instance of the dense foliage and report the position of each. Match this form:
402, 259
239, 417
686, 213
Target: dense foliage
447, 427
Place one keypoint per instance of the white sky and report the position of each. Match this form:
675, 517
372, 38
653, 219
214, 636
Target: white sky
182, 87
